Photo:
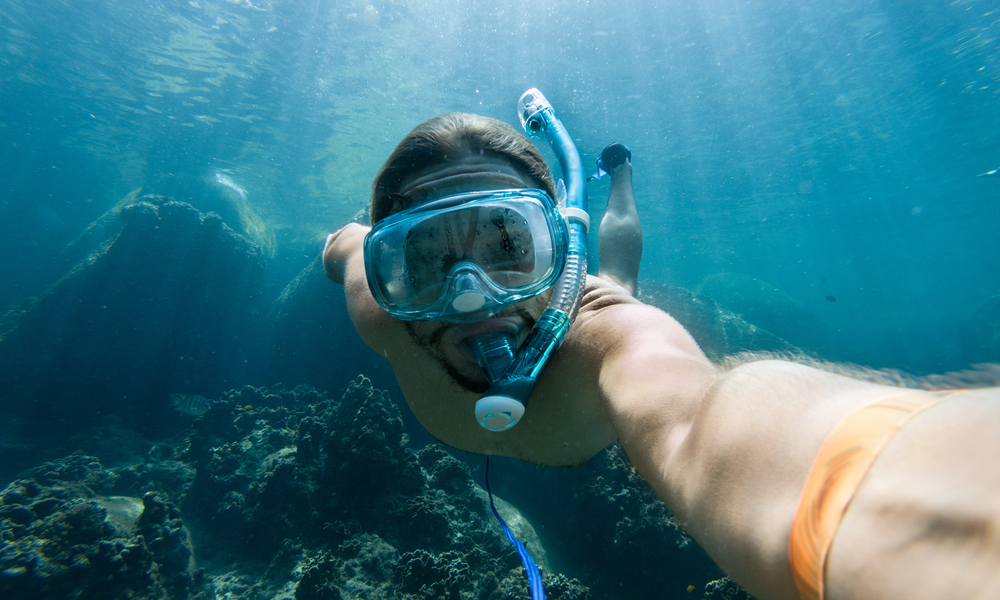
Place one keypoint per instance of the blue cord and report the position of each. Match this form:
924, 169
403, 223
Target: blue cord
534, 577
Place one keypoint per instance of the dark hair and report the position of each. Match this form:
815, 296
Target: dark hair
433, 141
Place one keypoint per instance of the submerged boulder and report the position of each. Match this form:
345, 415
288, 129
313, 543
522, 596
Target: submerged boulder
164, 306
61, 538
720, 332
310, 338
762, 304
981, 334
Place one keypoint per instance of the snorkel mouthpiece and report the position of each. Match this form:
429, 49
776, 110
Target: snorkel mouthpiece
495, 353
512, 384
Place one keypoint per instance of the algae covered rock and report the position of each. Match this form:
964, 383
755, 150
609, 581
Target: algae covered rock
720, 332
61, 539
159, 308
327, 493
295, 493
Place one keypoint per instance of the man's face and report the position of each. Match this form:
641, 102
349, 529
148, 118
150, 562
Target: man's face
445, 342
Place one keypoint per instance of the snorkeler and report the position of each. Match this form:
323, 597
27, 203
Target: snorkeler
796, 481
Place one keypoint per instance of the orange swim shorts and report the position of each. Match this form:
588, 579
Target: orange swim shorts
842, 462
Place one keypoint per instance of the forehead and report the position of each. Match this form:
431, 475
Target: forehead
468, 172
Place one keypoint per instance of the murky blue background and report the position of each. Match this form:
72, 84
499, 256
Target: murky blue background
802, 150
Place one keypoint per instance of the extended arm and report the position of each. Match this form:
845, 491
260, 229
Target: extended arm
729, 451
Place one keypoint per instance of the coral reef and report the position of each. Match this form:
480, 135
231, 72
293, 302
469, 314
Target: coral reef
63, 539
725, 589
294, 494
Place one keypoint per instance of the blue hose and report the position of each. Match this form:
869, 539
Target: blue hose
534, 576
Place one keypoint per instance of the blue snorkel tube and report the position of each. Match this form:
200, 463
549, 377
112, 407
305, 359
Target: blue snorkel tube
512, 374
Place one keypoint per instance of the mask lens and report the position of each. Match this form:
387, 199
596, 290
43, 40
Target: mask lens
508, 239
499, 239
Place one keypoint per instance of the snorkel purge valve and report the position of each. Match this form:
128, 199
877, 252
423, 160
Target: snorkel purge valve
512, 374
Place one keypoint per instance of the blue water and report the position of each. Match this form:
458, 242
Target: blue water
827, 148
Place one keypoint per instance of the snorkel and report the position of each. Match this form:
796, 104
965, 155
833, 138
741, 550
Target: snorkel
514, 374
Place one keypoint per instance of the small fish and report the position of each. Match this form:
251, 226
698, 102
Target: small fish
993, 173
831, 299
225, 181
190, 404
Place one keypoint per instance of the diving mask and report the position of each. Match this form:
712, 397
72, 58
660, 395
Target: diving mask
466, 256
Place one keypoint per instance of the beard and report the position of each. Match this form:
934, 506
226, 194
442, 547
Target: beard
431, 341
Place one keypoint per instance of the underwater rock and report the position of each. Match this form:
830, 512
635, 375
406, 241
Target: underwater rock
642, 547
329, 495
764, 305
307, 323
318, 488
61, 539
718, 331
725, 589
293, 493
165, 306
981, 334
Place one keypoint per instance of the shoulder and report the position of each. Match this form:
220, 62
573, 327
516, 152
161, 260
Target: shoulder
617, 326
600, 294
612, 307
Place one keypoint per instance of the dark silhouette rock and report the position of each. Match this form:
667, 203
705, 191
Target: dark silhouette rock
981, 334
167, 305
765, 306
307, 327
719, 332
